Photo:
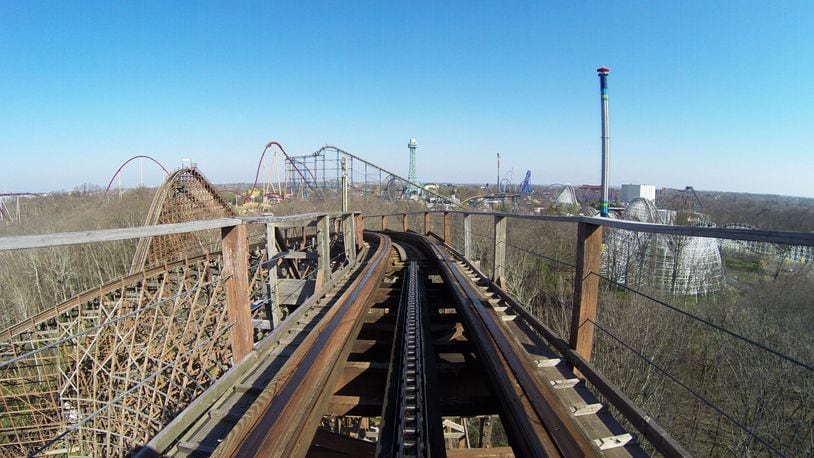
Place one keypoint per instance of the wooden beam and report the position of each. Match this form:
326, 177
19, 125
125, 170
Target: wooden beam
348, 235
273, 306
108, 235
494, 452
467, 235
405, 222
427, 223
236, 284
586, 288
360, 231
447, 228
328, 444
499, 253
324, 250
384, 222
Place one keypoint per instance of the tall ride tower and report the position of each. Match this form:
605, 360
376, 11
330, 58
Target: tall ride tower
603, 89
411, 175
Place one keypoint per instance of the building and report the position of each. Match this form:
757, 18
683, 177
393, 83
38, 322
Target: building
638, 191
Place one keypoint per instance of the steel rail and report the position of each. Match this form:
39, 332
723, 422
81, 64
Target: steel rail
142, 156
366, 162
285, 416
538, 423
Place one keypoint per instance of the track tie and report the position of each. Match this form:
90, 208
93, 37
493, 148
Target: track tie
222, 414
508, 317
586, 409
565, 383
249, 388
608, 443
195, 447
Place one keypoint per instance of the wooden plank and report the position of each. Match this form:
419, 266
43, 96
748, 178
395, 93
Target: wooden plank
467, 236
324, 250
236, 284
293, 291
326, 443
586, 288
126, 233
360, 231
447, 227
499, 253
299, 255
273, 308
109, 235
349, 235
494, 452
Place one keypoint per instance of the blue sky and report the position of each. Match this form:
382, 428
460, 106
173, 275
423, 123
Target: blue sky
710, 94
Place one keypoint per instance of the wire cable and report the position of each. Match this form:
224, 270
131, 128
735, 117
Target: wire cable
710, 324
690, 390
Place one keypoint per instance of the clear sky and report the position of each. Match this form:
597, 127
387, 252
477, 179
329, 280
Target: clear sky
716, 95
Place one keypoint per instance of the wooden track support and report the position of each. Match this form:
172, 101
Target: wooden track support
236, 273
586, 288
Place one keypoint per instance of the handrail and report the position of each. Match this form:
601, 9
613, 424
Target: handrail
756, 235
20, 242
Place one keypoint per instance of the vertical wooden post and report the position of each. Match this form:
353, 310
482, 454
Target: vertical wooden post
586, 288
304, 238
405, 222
499, 259
323, 251
236, 283
447, 228
427, 223
273, 306
348, 235
384, 222
360, 231
468, 236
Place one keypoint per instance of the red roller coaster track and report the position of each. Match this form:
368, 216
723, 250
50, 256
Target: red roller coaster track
128, 161
260, 163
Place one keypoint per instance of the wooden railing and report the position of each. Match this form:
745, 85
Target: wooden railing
588, 252
235, 247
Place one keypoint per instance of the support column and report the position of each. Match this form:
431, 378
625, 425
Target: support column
273, 305
349, 236
384, 222
323, 251
236, 284
468, 236
586, 288
447, 228
405, 222
427, 223
485, 432
360, 231
499, 259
